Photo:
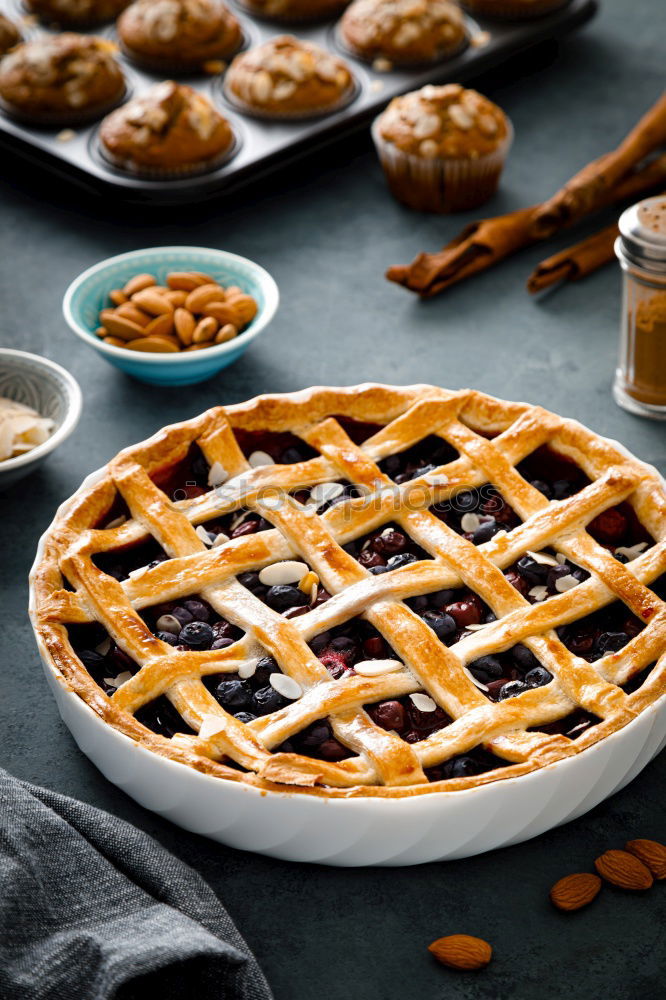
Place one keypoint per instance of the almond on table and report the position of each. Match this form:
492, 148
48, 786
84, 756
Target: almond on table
189, 311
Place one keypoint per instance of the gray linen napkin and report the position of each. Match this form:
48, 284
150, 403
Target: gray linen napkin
93, 909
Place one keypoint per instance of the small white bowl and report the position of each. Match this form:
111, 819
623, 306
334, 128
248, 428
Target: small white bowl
47, 388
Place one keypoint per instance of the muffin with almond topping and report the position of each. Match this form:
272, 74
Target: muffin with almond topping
289, 78
294, 10
403, 32
179, 35
61, 79
513, 10
170, 131
78, 13
9, 34
442, 148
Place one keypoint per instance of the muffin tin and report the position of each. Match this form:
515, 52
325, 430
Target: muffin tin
266, 145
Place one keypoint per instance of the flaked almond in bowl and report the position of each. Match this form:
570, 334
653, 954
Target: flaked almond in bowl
171, 315
40, 405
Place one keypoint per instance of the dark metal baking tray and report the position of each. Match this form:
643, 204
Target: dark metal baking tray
266, 145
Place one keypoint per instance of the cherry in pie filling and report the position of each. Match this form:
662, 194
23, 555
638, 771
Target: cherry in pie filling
364, 591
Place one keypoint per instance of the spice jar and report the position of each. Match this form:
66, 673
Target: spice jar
640, 379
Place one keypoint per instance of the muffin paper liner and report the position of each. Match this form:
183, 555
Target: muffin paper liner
167, 173
441, 184
513, 10
290, 18
57, 119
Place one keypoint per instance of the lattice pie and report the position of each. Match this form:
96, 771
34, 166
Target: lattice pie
364, 591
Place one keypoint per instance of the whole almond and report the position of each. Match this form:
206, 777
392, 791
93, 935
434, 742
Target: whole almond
575, 891
200, 347
623, 870
161, 325
651, 853
115, 341
205, 329
118, 326
175, 296
138, 283
227, 332
117, 296
222, 312
129, 311
246, 309
187, 281
461, 951
158, 345
102, 331
201, 296
152, 302
233, 291
185, 323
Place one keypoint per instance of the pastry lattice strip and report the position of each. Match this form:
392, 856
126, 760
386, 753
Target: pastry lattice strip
474, 717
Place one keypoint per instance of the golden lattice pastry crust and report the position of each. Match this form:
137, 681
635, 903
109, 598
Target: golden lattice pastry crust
491, 437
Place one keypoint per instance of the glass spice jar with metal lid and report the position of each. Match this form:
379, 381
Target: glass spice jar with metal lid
640, 379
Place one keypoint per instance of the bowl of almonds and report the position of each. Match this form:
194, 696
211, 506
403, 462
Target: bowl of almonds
171, 315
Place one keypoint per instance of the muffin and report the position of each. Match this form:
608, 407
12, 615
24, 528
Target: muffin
513, 10
9, 34
61, 79
169, 131
76, 12
442, 148
294, 10
179, 35
287, 77
403, 32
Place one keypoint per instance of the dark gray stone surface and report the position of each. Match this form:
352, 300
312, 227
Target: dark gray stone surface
327, 230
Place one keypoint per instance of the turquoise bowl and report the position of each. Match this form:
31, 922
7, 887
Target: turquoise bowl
88, 294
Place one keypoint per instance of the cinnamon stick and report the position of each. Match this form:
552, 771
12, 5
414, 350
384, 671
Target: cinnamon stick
575, 262
484, 243
587, 189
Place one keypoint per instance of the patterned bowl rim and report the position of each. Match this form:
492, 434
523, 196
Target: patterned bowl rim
73, 405
232, 260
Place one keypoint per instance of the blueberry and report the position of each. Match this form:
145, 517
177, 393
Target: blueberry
284, 596
234, 695
392, 465
267, 700
316, 735
562, 488
320, 642
245, 716
251, 581
182, 615
351, 549
442, 624
611, 642
342, 642
531, 570
620, 557
377, 570
423, 470
265, 667
168, 637
462, 767
511, 689
524, 659
290, 456
556, 573
199, 611
485, 668
200, 468
542, 487
198, 635
90, 659
465, 501
441, 597
418, 603
538, 677
489, 618
402, 559
485, 531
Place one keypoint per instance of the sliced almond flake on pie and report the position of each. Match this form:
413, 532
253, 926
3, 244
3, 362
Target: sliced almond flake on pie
286, 686
134, 573
437, 479
375, 668
561, 558
282, 573
475, 681
211, 725
182, 740
631, 551
217, 474
323, 492
116, 682
566, 583
248, 668
470, 522
117, 521
103, 647
476, 628
201, 533
543, 558
239, 518
423, 702
220, 539
259, 458
168, 623
539, 593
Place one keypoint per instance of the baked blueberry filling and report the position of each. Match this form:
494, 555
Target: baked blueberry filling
553, 474
477, 514
341, 648
385, 549
421, 458
605, 631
